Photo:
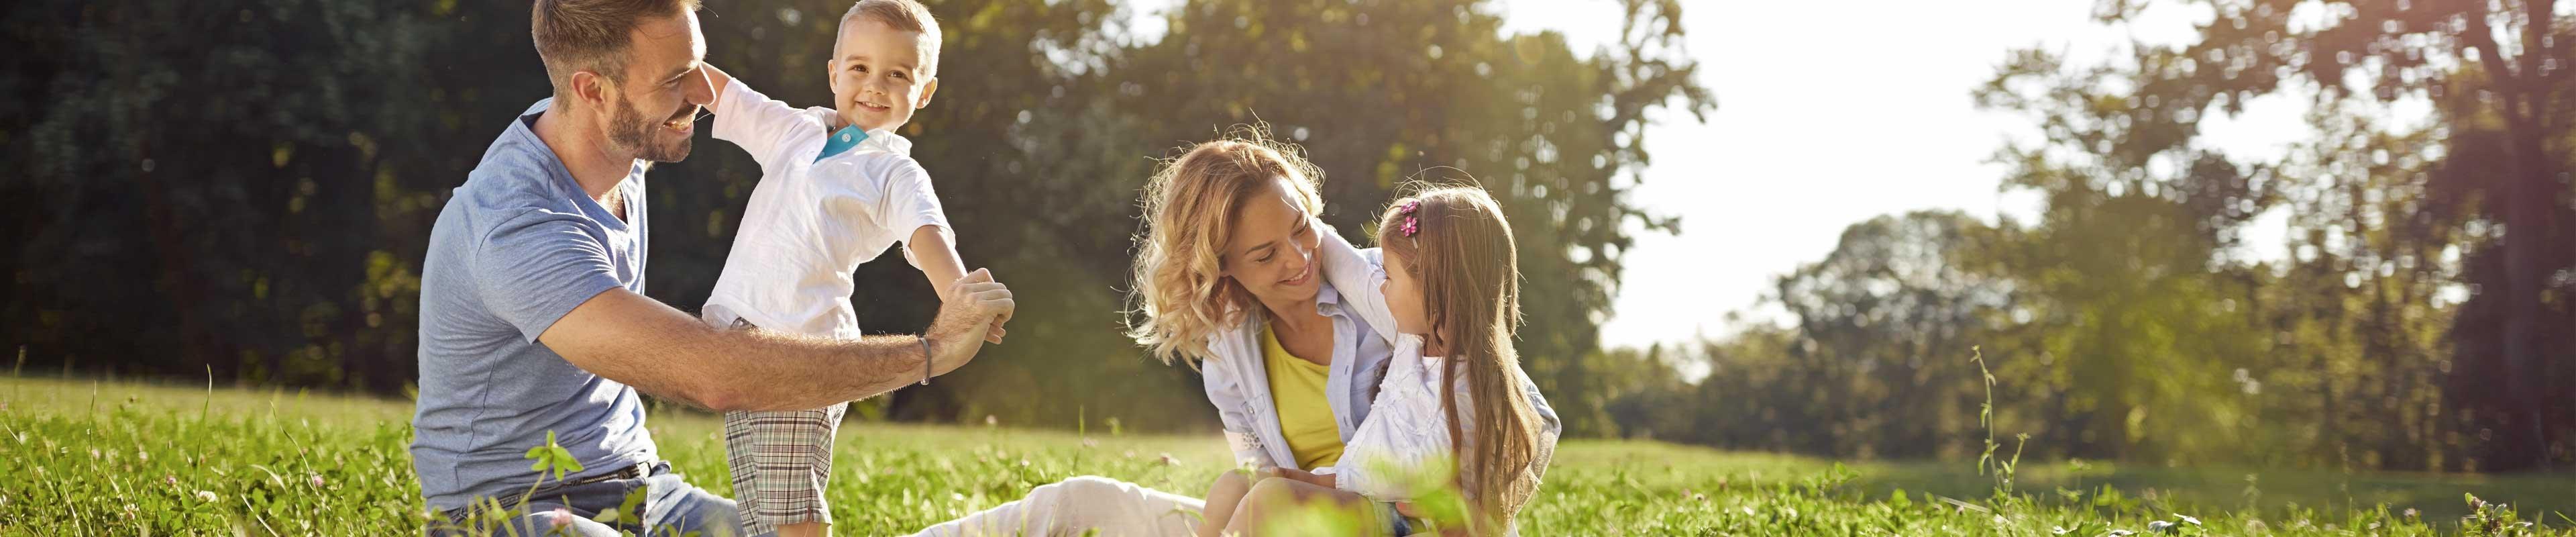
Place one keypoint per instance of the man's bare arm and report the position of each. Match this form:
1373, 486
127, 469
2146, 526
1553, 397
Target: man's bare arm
641, 342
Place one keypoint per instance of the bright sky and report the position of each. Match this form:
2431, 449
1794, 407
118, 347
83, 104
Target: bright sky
1830, 114
1833, 113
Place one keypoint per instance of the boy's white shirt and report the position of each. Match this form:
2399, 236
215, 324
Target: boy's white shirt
812, 222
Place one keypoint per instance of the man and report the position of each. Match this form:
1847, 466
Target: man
533, 318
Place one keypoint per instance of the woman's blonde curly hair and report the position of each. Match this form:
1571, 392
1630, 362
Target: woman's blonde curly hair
1180, 299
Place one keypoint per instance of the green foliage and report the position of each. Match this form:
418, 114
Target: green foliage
247, 188
124, 459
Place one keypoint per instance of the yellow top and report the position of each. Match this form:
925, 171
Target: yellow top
1305, 417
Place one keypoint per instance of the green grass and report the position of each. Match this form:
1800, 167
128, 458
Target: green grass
89, 457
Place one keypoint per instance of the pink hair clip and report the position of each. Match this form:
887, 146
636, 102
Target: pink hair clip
1411, 226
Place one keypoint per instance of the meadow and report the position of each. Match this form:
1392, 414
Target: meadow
99, 457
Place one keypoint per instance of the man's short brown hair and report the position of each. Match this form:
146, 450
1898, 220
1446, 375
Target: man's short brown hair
906, 15
592, 35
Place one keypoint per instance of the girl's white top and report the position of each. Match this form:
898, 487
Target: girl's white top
1405, 435
1391, 458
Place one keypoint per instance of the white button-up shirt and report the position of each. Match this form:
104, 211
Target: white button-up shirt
814, 217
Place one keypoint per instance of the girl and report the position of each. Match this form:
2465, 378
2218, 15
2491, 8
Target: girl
1454, 390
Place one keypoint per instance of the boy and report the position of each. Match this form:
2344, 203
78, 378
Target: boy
838, 187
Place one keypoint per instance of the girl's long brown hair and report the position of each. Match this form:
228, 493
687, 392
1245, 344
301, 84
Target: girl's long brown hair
1461, 253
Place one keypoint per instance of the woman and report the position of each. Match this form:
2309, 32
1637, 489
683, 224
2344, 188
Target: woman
1227, 280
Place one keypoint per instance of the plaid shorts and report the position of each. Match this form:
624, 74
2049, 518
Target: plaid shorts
781, 463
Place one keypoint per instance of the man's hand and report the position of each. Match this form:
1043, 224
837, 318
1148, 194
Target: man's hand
936, 255
976, 306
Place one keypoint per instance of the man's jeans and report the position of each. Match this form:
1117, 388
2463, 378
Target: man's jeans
671, 507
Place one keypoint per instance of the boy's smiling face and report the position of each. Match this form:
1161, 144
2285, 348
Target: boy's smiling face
877, 74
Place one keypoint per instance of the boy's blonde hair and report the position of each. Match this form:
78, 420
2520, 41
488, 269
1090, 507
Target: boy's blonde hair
1189, 213
906, 15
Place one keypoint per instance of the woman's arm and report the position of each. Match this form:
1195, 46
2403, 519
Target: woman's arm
1227, 394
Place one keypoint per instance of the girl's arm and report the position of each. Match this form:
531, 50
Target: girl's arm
1360, 275
937, 258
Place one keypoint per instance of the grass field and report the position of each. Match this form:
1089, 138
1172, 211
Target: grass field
107, 458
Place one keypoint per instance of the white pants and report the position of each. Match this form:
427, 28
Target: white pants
1081, 504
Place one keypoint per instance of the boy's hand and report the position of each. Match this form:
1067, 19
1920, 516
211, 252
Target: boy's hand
716, 80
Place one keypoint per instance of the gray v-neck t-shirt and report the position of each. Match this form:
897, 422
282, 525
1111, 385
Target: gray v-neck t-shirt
517, 247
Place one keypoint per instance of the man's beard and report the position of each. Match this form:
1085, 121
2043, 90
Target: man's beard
629, 130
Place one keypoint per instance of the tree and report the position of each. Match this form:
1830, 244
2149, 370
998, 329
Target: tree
201, 183
1381, 92
2496, 73
1890, 312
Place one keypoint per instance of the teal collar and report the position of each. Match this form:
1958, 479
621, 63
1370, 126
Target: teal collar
842, 141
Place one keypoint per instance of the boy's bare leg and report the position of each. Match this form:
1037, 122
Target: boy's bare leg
805, 529
1222, 497
1278, 495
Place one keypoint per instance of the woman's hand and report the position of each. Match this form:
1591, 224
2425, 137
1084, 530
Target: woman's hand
1324, 480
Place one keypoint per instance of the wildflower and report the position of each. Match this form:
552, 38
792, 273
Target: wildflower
167, 479
562, 517
316, 480
206, 495
2160, 526
1168, 460
2187, 519
2411, 513
989, 420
